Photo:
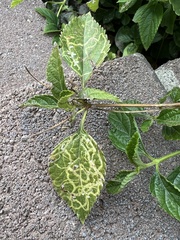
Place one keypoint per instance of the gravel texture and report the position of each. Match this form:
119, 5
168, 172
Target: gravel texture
29, 207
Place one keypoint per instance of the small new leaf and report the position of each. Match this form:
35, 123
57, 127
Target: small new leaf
78, 172
64, 97
166, 194
84, 45
93, 93
55, 73
169, 117
120, 181
171, 133
148, 17
146, 125
42, 101
14, 3
93, 5
131, 48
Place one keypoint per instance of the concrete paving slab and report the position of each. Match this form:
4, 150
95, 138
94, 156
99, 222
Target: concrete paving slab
29, 207
169, 74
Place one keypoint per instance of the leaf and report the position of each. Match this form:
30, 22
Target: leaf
171, 133
14, 3
93, 93
132, 150
78, 172
146, 125
176, 6
64, 100
123, 127
124, 5
51, 28
51, 19
168, 20
131, 48
174, 94
169, 117
84, 45
93, 5
174, 177
120, 181
41, 101
123, 35
148, 17
167, 195
55, 73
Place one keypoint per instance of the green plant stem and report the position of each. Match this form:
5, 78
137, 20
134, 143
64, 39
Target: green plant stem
83, 120
157, 161
61, 6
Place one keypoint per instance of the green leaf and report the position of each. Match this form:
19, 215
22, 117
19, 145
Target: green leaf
169, 117
123, 127
64, 97
93, 93
93, 5
146, 125
84, 45
167, 195
14, 3
124, 5
41, 101
48, 14
132, 150
174, 94
176, 6
51, 28
120, 181
55, 73
168, 20
123, 36
148, 17
78, 172
131, 48
171, 133
51, 19
174, 177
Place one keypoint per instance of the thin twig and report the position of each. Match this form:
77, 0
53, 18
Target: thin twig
36, 78
121, 111
96, 105
48, 129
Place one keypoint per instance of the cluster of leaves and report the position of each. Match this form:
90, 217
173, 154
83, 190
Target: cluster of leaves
78, 165
150, 27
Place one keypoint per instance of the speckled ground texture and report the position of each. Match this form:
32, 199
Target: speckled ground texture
29, 207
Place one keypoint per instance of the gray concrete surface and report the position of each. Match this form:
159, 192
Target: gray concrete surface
29, 207
168, 74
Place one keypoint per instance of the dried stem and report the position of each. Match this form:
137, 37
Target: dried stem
36, 78
155, 105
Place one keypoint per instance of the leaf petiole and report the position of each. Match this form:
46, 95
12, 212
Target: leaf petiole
157, 161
